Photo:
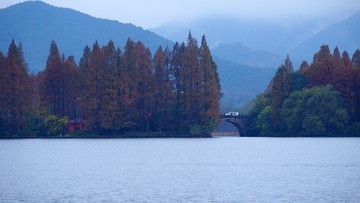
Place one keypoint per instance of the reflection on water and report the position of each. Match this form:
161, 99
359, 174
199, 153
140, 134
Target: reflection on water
232, 169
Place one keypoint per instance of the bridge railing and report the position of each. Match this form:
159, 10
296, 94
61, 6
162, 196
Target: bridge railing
240, 116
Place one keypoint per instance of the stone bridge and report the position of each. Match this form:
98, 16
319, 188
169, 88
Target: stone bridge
237, 121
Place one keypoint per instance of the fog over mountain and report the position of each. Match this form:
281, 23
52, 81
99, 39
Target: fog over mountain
345, 35
299, 38
258, 35
237, 53
35, 24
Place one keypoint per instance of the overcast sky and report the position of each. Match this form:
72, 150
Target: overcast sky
153, 13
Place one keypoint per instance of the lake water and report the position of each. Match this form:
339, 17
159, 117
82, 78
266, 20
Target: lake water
229, 169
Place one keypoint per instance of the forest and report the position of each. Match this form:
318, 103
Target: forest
320, 99
112, 91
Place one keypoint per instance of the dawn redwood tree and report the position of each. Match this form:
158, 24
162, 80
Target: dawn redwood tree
35, 101
356, 70
356, 58
280, 89
323, 54
176, 69
192, 77
15, 91
321, 71
336, 53
346, 59
343, 80
91, 96
53, 83
128, 91
163, 92
83, 68
71, 88
58, 87
2, 91
212, 90
143, 105
108, 85
304, 66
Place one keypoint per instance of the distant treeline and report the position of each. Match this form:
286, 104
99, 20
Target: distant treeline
320, 99
111, 91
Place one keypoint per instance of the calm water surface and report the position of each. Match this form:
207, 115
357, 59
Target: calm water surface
181, 170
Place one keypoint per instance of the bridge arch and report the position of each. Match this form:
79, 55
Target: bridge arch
237, 122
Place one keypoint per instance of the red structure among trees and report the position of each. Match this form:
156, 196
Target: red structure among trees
76, 124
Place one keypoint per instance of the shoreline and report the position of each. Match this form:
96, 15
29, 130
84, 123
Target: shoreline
110, 137
163, 136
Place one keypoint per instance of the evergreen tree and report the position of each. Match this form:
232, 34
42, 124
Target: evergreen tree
356, 58
323, 54
163, 94
280, 89
212, 89
336, 53
15, 91
71, 88
303, 66
191, 74
91, 95
83, 68
177, 80
53, 83
143, 105
128, 95
321, 71
108, 87
343, 80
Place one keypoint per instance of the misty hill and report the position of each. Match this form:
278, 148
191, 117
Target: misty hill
241, 83
35, 24
345, 35
239, 54
261, 41
257, 35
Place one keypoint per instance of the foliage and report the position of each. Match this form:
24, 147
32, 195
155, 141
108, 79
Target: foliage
322, 98
313, 125
279, 90
54, 125
204, 128
14, 92
315, 111
111, 91
263, 120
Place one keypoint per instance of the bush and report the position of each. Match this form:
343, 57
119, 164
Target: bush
54, 125
313, 125
203, 129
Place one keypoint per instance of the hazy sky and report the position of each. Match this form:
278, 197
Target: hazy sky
153, 13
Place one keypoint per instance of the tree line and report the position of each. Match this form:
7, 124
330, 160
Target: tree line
113, 91
320, 99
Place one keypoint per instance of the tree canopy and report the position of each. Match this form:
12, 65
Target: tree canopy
320, 99
112, 91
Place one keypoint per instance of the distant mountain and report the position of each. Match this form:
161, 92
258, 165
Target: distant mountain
35, 24
299, 39
241, 83
257, 35
237, 53
345, 35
